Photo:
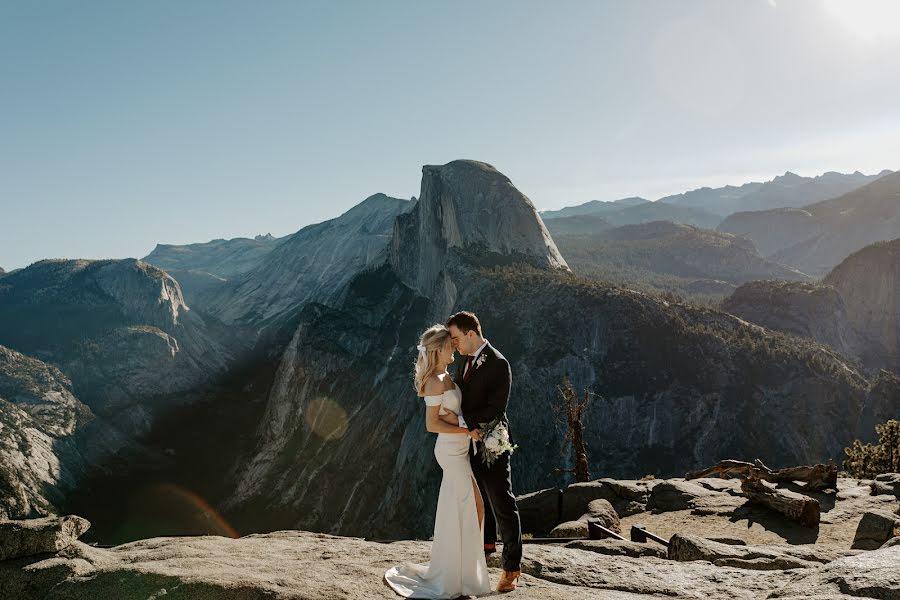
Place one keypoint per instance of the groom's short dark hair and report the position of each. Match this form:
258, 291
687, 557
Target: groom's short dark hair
465, 321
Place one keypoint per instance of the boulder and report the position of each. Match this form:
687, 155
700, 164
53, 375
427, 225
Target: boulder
602, 511
674, 494
886, 483
570, 529
539, 511
866, 575
768, 557
875, 528
626, 497
39, 536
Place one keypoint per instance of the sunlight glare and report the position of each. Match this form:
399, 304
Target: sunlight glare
868, 19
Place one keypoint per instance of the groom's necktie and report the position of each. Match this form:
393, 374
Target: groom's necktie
468, 372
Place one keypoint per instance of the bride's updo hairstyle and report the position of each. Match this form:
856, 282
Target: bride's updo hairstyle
430, 344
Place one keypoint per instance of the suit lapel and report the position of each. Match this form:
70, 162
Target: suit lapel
458, 374
487, 353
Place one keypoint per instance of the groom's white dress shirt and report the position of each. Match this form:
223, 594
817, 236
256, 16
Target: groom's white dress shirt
462, 422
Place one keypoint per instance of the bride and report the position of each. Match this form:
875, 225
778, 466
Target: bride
457, 564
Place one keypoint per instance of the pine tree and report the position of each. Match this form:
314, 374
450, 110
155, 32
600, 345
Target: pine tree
869, 460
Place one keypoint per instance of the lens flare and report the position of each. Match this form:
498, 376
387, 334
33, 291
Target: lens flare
169, 509
326, 418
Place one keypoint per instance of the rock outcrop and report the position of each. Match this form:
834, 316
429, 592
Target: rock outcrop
685, 547
799, 308
39, 415
21, 538
297, 564
875, 528
469, 215
203, 269
119, 329
868, 281
855, 310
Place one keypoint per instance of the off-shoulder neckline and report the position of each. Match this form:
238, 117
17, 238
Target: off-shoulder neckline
455, 387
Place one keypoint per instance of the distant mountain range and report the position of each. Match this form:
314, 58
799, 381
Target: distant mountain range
630, 211
594, 207
706, 207
816, 237
785, 190
665, 256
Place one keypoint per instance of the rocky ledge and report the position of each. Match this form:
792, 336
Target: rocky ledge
43, 559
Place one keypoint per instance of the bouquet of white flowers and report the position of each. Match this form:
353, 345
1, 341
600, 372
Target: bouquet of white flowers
495, 441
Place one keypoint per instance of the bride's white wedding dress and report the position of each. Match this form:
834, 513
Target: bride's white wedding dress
457, 564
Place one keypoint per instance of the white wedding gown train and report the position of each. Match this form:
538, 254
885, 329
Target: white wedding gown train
457, 566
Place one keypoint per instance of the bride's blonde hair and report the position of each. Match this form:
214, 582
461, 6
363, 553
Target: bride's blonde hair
431, 342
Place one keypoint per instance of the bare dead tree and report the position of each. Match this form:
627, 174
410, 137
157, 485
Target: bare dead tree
574, 410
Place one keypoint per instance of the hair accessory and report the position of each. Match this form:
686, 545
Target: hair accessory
421, 350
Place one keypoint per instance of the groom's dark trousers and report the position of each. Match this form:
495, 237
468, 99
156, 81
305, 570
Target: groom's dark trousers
485, 394
496, 483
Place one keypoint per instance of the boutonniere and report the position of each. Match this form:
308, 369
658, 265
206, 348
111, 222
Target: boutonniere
480, 360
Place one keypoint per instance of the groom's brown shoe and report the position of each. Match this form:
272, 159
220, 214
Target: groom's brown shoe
508, 581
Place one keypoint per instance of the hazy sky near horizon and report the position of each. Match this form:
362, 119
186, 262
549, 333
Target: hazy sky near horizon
127, 124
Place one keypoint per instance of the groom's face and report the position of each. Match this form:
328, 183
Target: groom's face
463, 342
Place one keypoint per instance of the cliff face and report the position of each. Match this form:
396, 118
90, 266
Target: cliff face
469, 215
809, 310
39, 414
855, 310
119, 329
312, 265
869, 283
343, 433
203, 269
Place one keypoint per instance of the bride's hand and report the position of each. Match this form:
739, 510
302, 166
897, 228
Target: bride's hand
475, 434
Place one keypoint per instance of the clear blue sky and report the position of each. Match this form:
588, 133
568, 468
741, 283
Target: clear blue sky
126, 123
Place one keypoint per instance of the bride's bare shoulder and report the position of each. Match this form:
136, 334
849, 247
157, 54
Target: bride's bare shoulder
434, 386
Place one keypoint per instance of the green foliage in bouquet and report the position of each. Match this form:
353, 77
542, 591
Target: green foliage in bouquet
494, 441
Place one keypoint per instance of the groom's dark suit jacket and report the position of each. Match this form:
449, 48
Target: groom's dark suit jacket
486, 393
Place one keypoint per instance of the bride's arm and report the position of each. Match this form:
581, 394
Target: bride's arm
433, 421
450, 417
434, 424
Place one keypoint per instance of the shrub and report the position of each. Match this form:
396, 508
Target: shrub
869, 460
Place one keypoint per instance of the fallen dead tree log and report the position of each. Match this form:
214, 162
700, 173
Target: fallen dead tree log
794, 506
816, 477
758, 484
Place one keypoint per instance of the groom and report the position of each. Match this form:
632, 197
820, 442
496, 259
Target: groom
484, 377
